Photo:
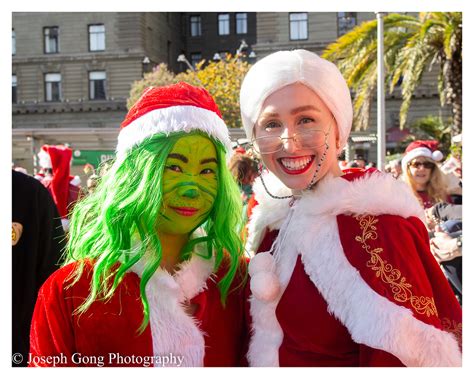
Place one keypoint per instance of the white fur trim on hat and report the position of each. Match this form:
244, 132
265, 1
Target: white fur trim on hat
185, 118
44, 159
282, 68
421, 152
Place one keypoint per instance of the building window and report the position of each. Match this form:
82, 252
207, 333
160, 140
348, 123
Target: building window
52, 87
224, 24
97, 85
345, 22
96, 37
195, 59
195, 22
51, 39
241, 23
298, 26
13, 42
14, 95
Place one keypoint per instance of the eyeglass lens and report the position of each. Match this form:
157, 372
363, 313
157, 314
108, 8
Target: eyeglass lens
307, 139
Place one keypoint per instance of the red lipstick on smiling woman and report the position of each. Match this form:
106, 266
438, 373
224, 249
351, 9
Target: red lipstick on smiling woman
294, 170
185, 211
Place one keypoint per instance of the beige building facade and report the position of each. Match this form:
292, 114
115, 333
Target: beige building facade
72, 72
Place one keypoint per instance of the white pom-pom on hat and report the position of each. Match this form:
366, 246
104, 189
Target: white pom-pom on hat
437, 155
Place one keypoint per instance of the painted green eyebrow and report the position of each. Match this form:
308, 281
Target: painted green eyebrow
178, 156
208, 160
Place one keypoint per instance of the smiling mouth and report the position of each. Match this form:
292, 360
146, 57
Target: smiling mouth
296, 165
185, 211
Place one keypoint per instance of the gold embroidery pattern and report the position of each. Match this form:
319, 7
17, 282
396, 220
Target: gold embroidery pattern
452, 326
401, 290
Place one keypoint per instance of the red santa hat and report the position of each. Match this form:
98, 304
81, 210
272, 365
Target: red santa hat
170, 109
58, 158
283, 68
428, 149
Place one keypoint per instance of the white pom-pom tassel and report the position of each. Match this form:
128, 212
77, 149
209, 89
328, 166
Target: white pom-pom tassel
437, 155
261, 262
265, 286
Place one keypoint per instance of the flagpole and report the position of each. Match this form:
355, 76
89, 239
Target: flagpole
380, 93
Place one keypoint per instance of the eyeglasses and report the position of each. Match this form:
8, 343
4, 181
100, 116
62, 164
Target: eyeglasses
427, 165
308, 139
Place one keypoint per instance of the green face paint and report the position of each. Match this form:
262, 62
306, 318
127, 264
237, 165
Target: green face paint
189, 185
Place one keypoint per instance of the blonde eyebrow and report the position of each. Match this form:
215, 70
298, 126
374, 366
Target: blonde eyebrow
268, 115
304, 108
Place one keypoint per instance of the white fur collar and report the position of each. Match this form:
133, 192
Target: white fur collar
173, 330
333, 195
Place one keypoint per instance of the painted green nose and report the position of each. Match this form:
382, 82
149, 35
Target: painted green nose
192, 193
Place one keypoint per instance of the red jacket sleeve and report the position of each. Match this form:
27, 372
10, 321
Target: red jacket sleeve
51, 336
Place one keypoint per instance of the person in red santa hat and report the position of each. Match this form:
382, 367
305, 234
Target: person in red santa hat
342, 273
423, 175
155, 272
55, 162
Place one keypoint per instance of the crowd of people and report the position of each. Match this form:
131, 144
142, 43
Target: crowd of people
275, 253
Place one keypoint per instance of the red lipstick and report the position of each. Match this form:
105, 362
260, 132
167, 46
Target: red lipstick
185, 211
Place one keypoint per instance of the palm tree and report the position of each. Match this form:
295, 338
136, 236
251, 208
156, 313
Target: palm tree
412, 45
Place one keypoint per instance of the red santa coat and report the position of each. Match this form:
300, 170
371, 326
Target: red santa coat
211, 337
351, 281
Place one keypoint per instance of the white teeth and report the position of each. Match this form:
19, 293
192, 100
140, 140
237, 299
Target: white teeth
296, 164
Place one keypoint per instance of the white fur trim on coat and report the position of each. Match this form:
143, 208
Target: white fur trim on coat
185, 118
374, 194
173, 330
370, 318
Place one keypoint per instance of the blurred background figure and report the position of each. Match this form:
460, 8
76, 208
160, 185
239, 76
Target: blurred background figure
421, 172
354, 164
55, 163
452, 168
396, 168
360, 160
37, 244
92, 183
244, 169
445, 230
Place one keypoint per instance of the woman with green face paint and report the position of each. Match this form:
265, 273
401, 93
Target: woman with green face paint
154, 271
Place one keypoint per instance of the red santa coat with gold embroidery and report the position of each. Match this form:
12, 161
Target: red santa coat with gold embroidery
212, 337
351, 280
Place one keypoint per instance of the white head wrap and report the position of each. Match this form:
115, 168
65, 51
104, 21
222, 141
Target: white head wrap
282, 68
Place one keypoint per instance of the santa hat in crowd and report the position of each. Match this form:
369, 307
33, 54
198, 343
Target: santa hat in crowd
175, 108
58, 158
283, 68
428, 149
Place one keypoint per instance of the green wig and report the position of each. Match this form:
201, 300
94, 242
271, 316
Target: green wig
127, 203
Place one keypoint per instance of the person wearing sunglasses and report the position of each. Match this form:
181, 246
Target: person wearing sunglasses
341, 271
422, 174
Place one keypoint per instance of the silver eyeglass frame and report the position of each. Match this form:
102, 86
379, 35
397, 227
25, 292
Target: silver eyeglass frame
253, 141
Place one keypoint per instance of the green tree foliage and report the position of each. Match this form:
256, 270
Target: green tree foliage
431, 127
222, 79
411, 46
